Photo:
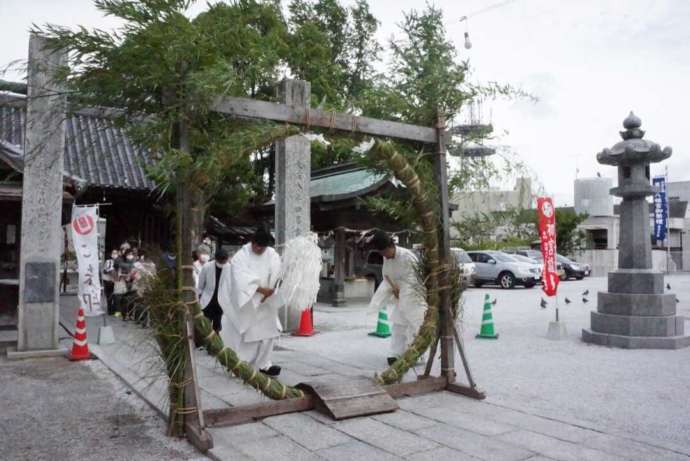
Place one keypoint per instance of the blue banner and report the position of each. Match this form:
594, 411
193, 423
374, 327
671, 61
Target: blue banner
660, 208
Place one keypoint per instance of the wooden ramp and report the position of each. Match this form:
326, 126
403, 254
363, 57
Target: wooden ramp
347, 397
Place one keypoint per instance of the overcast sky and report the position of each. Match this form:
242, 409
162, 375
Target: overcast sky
588, 61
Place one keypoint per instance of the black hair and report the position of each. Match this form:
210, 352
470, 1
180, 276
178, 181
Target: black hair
381, 240
221, 254
262, 236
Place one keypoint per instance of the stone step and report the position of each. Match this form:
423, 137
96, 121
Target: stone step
636, 304
635, 342
669, 325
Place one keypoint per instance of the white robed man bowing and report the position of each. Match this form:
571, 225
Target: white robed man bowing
401, 288
250, 324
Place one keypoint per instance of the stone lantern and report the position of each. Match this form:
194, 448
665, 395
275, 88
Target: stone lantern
635, 313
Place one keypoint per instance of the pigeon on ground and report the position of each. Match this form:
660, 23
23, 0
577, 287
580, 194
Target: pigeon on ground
668, 286
585, 300
567, 301
543, 303
585, 293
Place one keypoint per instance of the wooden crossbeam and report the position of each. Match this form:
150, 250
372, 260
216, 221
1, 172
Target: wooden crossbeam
252, 108
250, 413
222, 417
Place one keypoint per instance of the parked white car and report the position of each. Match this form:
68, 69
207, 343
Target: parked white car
465, 264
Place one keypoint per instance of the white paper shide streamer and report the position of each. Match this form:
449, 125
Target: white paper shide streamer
300, 269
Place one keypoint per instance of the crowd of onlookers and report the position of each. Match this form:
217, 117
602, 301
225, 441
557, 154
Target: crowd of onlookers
124, 272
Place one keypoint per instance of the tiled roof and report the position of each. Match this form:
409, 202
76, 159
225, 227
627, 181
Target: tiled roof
95, 149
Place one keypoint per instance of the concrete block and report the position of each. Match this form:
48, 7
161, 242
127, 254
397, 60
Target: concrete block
14, 354
635, 342
106, 335
385, 437
631, 449
680, 326
549, 427
633, 325
556, 449
444, 453
355, 450
456, 417
636, 304
306, 431
644, 281
557, 331
480, 446
274, 448
405, 420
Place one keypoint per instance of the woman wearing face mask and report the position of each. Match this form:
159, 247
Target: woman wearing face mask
201, 256
124, 276
108, 280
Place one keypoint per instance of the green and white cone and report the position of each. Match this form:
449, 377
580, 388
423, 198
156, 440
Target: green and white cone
383, 328
487, 330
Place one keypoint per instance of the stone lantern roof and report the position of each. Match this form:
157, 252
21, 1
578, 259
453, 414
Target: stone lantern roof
633, 149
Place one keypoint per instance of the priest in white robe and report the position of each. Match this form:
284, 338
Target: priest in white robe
400, 287
250, 324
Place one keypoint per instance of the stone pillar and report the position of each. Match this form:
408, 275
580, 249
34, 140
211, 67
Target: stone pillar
293, 175
635, 312
41, 239
339, 275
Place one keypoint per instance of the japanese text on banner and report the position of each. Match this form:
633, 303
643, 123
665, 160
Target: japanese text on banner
547, 235
85, 239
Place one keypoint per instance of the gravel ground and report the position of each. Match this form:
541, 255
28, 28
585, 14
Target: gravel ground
54, 409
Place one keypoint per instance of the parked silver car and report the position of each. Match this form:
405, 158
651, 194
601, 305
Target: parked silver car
502, 269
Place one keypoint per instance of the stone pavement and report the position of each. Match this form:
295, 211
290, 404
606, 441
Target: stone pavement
546, 400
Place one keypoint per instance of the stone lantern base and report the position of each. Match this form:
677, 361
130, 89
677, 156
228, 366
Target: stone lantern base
636, 313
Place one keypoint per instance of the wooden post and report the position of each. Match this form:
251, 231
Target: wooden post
42, 190
339, 259
293, 175
445, 313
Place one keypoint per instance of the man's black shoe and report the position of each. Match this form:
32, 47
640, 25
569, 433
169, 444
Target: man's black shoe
391, 360
273, 370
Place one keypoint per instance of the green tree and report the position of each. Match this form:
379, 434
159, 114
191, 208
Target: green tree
568, 237
165, 69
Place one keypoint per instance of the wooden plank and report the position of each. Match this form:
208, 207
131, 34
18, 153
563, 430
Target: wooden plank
421, 386
349, 397
252, 108
250, 413
472, 392
194, 424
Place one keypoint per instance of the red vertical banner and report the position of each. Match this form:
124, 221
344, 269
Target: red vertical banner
547, 235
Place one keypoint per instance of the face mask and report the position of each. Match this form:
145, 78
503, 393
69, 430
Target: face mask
204, 258
130, 258
220, 265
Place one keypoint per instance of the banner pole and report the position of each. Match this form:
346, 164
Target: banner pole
668, 219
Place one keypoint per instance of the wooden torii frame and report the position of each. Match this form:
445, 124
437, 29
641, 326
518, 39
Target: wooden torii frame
448, 337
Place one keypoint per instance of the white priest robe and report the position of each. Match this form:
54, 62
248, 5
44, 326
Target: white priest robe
409, 308
250, 326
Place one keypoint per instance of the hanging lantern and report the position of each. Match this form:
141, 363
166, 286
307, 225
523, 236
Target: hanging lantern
468, 44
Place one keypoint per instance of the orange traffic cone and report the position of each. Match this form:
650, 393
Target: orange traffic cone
80, 347
306, 323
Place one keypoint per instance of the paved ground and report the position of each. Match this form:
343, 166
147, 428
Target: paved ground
546, 400
54, 409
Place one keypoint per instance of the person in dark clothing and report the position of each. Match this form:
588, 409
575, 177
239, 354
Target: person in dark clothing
210, 279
